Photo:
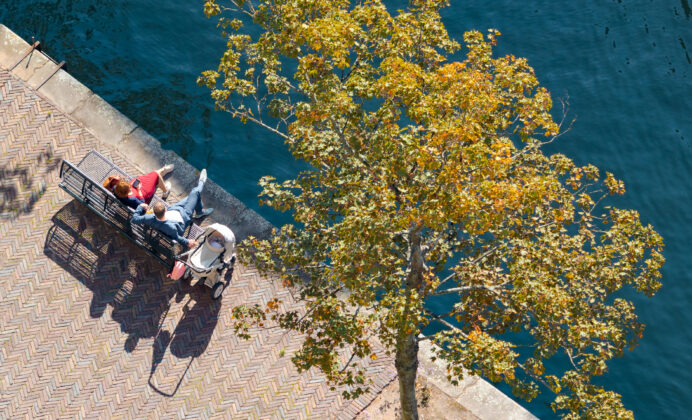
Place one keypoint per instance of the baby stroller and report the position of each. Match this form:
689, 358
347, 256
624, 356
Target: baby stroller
208, 261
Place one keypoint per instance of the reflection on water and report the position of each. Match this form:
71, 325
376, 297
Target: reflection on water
624, 64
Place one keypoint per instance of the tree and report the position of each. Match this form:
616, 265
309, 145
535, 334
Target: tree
427, 178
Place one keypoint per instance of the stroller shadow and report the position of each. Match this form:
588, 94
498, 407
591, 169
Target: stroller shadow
133, 283
192, 333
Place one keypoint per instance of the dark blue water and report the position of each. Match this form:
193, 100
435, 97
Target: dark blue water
624, 66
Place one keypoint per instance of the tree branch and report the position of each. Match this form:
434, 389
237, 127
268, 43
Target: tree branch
246, 115
467, 288
475, 261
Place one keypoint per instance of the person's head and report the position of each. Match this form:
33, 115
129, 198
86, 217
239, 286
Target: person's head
159, 210
122, 189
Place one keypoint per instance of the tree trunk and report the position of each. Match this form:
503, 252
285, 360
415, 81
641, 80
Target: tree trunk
406, 367
407, 344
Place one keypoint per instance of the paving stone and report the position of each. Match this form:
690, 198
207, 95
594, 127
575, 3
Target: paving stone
91, 327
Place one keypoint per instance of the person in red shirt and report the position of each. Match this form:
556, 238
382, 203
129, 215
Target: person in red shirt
140, 189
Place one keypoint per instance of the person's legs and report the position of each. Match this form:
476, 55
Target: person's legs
160, 183
166, 169
193, 202
165, 187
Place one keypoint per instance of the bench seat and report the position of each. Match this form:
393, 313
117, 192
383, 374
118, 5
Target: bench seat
84, 182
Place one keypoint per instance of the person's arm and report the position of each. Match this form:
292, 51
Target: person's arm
131, 202
184, 241
140, 213
135, 202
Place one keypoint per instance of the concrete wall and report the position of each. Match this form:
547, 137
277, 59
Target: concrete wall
474, 393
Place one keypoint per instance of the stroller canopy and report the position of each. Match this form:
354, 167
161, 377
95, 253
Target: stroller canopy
205, 256
227, 233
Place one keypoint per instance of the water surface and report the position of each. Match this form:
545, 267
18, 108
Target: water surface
623, 65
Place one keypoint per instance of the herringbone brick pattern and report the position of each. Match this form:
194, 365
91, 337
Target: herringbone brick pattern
90, 327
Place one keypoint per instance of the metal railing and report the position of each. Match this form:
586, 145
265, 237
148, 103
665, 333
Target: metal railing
36, 46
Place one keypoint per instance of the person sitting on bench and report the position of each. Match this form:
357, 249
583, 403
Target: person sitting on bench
178, 217
141, 189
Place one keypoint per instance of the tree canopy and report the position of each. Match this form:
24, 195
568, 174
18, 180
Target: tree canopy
428, 178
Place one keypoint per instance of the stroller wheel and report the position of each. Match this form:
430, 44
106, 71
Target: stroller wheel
217, 290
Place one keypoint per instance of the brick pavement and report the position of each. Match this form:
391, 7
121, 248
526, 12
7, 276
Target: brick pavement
90, 327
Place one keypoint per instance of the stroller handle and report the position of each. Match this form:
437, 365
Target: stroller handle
222, 265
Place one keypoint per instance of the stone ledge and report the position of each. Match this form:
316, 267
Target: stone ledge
66, 92
11, 47
106, 123
474, 393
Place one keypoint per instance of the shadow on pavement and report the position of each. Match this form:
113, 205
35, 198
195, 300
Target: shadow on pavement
193, 332
23, 185
125, 277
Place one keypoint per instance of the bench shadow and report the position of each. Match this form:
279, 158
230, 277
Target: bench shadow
112, 268
133, 283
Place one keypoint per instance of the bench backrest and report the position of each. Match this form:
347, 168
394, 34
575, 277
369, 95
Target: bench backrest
84, 182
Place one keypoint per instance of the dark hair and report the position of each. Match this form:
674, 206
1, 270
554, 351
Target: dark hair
159, 209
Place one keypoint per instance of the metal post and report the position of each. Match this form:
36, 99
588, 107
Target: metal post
26, 53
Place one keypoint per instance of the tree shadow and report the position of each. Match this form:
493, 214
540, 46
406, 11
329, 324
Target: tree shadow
22, 186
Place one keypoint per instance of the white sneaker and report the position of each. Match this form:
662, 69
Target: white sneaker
168, 185
167, 169
203, 176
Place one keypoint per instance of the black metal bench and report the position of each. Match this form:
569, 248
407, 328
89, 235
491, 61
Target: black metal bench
84, 182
